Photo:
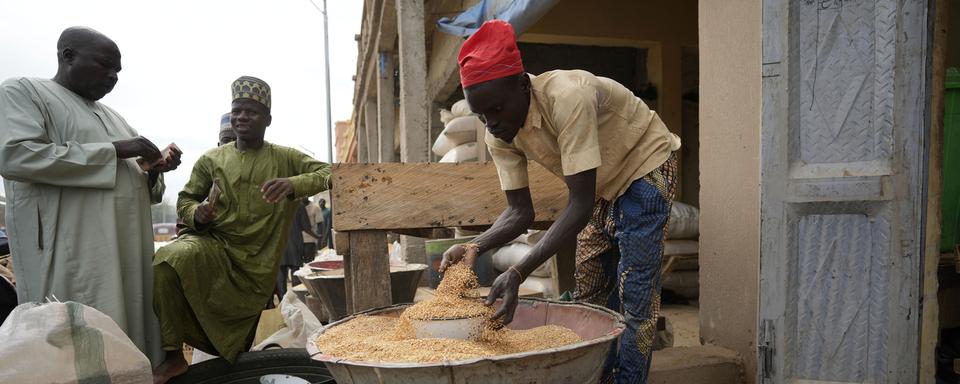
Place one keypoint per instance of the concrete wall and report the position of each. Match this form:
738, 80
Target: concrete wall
730, 107
671, 24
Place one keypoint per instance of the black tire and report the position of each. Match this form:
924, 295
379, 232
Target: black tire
8, 298
250, 366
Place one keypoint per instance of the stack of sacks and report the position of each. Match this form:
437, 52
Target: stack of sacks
542, 278
682, 240
458, 141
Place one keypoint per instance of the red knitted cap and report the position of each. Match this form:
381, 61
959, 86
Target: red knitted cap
491, 53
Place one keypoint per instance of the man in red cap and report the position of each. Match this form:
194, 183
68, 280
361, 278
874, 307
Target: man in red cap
617, 159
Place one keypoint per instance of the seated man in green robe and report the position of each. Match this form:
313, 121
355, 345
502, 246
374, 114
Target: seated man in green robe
211, 284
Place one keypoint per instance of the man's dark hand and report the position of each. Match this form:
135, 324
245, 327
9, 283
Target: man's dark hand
204, 214
459, 252
137, 147
507, 286
276, 190
171, 159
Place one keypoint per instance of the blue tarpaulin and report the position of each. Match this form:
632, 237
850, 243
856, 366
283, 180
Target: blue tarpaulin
521, 14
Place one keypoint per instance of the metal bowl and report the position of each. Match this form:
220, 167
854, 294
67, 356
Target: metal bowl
465, 328
577, 363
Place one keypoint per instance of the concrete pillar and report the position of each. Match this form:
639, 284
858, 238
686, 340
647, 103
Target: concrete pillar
386, 98
436, 127
730, 101
361, 136
414, 130
414, 249
371, 131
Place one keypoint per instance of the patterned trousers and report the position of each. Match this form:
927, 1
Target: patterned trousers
619, 256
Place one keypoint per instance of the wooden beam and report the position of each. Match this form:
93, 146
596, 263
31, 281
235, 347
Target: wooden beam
369, 269
414, 146
430, 195
371, 141
930, 311
341, 241
386, 100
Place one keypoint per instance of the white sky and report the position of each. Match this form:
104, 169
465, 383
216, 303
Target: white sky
179, 58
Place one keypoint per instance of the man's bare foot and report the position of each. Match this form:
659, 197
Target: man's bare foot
174, 365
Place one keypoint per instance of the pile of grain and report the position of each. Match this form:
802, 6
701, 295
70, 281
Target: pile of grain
364, 339
456, 298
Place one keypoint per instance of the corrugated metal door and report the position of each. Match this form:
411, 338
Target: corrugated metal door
844, 96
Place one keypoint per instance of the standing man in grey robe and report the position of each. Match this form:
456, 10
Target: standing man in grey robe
78, 202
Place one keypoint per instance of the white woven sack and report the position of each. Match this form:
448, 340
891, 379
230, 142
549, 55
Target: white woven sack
68, 343
462, 152
446, 116
442, 145
463, 129
461, 108
684, 221
458, 131
540, 284
511, 254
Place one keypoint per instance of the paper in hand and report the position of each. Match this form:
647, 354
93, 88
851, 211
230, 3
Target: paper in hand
214, 192
165, 155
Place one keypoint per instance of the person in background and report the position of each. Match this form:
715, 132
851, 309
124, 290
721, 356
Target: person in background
294, 254
213, 282
227, 135
76, 192
327, 231
312, 238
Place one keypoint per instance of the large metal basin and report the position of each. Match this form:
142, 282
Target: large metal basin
574, 364
330, 288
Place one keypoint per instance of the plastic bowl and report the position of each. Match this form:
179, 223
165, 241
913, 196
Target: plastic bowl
327, 265
464, 329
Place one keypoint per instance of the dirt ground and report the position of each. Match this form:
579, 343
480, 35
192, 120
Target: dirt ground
685, 321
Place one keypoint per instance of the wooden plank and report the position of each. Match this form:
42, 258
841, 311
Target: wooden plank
930, 313
368, 268
431, 195
414, 117
341, 241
